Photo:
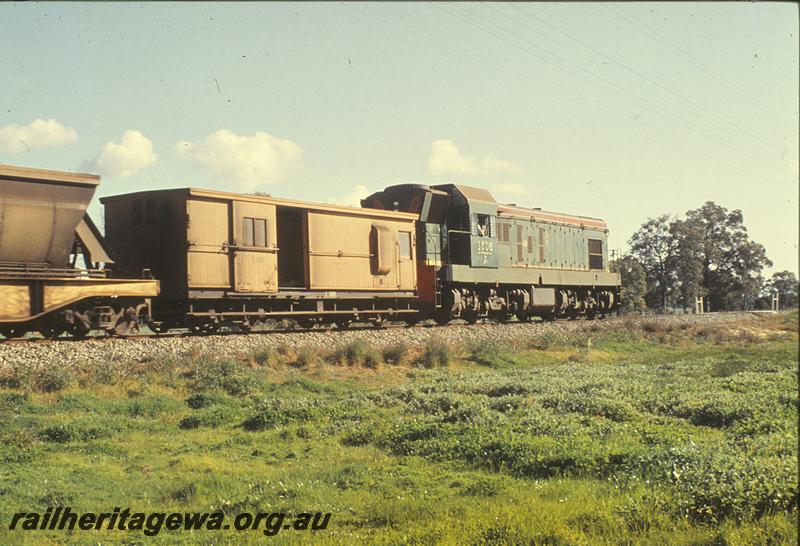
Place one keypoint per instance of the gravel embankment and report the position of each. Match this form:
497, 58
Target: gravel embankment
109, 350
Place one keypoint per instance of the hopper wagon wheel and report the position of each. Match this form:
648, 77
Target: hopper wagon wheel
77, 326
51, 328
343, 324
127, 322
11, 332
523, 317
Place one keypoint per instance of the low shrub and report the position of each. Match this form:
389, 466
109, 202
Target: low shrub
264, 356
204, 399
435, 354
395, 354
270, 413
51, 379
306, 357
76, 431
210, 416
224, 374
356, 352
485, 353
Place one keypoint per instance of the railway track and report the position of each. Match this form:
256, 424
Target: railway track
37, 353
186, 333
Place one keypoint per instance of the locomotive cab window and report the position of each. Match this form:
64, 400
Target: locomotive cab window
254, 232
483, 225
595, 254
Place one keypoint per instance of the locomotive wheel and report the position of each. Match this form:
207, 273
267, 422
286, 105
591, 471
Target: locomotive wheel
470, 315
442, 317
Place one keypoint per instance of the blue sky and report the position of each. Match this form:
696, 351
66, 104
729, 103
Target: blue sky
623, 111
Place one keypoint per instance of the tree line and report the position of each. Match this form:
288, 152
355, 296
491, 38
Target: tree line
708, 254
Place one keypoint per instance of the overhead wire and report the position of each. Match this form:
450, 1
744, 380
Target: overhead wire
438, 33
637, 73
561, 62
637, 23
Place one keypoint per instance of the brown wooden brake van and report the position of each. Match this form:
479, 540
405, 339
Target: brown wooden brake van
234, 258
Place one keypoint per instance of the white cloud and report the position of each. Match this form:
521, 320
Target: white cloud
133, 153
447, 159
353, 197
41, 133
249, 161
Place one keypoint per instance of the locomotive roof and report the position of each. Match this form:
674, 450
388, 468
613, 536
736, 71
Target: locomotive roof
484, 196
199, 192
555, 217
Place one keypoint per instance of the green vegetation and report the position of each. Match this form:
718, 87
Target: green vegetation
649, 432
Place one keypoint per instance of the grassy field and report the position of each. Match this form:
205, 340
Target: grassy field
649, 432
